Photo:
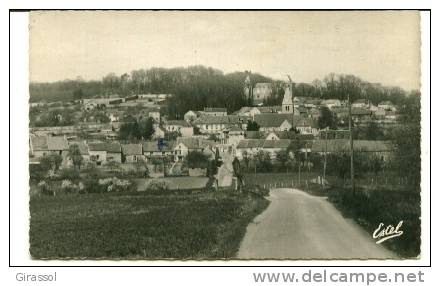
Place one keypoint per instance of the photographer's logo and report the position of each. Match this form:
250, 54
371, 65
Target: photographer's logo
384, 233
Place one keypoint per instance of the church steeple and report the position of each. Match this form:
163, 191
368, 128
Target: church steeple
287, 105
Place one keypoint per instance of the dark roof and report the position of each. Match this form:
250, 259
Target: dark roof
194, 142
83, 148
182, 123
131, 149
251, 143
275, 119
227, 119
262, 143
255, 135
361, 100
214, 109
269, 109
49, 143
360, 111
108, 147
281, 143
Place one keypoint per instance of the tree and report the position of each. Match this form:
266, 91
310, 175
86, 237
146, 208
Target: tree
78, 94
75, 155
263, 162
252, 126
282, 158
129, 131
146, 128
373, 131
406, 160
51, 162
196, 159
326, 118
376, 164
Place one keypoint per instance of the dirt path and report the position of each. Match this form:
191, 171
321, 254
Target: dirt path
299, 226
225, 171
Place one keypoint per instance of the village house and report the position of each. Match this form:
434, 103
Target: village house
217, 124
132, 153
331, 103
101, 152
360, 103
387, 106
233, 135
54, 130
307, 126
189, 144
154, 149
97, 103
214, 111
250, 147
312, 103
380, 113
46, 145
181, 126
269, 109
276, 121
247, 111
83, 150
361, 115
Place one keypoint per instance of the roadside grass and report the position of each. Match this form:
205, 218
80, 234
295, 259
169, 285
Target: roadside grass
140, 225
369, 208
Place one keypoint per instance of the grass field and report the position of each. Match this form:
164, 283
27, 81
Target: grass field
140, 225
174, 183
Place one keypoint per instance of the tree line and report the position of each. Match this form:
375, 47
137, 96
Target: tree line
196, 87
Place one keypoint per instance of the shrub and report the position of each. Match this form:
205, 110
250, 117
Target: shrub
115, 185
45, 189
93, 186
69, 187
157, 186
69, 174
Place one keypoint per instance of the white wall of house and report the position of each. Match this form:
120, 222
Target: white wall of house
173, 128
134, 158
180, 151
98, 156
187, 131
211, 128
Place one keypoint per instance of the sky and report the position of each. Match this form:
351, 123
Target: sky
378, 46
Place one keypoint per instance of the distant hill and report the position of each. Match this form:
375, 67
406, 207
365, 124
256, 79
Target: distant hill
197, 87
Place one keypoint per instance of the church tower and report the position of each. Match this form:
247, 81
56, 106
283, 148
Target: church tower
287, 105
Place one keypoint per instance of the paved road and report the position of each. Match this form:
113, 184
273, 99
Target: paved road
299, 226
225, 171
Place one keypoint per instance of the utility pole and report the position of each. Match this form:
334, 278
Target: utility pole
350, 128
325, 160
